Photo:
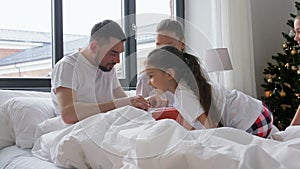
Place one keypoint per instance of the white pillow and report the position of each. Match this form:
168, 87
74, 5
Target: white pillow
50, 125
8, 94
6, 136
24, 114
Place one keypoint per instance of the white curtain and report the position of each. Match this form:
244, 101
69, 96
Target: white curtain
232, 28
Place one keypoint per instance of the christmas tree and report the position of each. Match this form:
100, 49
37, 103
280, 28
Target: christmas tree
282, 79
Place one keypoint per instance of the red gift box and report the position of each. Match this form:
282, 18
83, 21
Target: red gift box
166, 113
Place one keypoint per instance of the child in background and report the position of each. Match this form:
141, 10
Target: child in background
203, 104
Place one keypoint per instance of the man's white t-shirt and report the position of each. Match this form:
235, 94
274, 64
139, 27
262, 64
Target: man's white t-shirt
237, 109
91, 84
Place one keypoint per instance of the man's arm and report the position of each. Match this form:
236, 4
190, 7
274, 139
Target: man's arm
72, 111
119, 93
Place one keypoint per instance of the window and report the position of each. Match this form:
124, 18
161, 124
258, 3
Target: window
148, 15
25, 38
30, 45
78, 24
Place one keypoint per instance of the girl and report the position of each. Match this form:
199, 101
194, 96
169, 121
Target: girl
203, 104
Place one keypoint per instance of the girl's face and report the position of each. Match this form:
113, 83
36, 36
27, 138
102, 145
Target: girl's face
159, 79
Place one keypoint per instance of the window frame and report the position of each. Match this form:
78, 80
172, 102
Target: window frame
129, 83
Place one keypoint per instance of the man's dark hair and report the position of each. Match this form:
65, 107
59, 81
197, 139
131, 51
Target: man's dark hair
107, 29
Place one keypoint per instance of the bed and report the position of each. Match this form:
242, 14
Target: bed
32, 137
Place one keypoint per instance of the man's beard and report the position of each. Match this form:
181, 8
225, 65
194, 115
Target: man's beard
105, 69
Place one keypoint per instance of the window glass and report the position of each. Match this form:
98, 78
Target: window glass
148, 15
25, 38
79, 16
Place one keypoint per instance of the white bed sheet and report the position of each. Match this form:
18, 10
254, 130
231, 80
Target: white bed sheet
130, 138
16, 158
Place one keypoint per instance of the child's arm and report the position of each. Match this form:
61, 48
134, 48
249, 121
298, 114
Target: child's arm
296, 119
186, 125
202, 119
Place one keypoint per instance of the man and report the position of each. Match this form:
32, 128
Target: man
85, 83
168, 32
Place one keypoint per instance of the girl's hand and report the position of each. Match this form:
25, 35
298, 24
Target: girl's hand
139, 102
156, 101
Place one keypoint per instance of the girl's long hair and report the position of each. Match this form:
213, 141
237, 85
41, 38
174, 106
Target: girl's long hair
187, 67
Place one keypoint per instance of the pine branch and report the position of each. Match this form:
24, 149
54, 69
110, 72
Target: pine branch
297, 6
290, 23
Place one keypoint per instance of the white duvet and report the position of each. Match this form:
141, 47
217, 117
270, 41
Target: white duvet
130, 138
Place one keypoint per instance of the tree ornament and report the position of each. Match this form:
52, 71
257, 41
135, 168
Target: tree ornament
270, 80
282, 93
274, 91
268, 93
298, 72
294, 52
297, 95
287, 65
292, 33
284, 45
294, 68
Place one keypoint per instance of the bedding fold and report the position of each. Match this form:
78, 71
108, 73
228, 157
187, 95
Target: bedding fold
130, 138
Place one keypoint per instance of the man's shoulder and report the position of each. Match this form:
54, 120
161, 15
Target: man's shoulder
68, 59
71, 58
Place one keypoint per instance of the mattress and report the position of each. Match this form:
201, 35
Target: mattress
15, 158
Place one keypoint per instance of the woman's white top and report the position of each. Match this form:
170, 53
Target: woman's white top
237, 109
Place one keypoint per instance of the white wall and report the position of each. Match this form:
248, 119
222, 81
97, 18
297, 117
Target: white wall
269, 19
197, 31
